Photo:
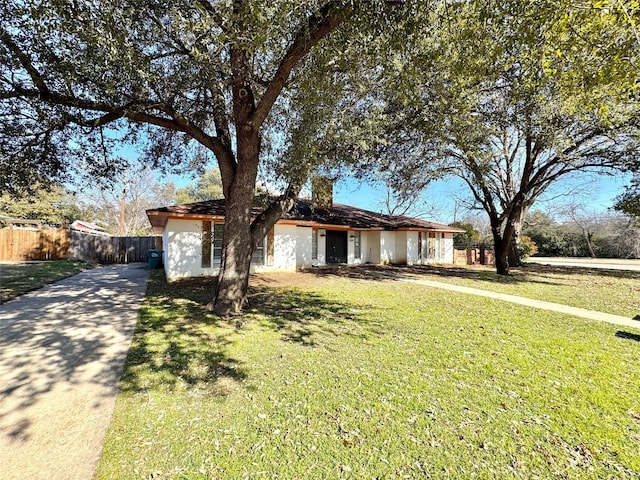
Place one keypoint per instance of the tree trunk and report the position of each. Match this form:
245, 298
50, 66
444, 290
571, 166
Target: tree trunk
588, 236
513, 255
514, 244
240, 237
233, 278
502, 242
501, 252
237, 242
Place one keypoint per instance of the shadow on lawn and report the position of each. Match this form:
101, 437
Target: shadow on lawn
528, 273
302, 315
180, 344
176, 343
398, 272
628, 335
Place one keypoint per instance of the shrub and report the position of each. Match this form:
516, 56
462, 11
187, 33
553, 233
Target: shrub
526, 248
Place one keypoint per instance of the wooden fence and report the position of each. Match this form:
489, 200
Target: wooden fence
99, 249
20, 245
474, 256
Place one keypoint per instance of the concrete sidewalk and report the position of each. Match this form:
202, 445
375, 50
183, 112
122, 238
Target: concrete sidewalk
555, 307
62, 350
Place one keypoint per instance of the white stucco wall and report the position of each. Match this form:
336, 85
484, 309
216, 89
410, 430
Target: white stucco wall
184, 249
412, 248
165, 248
284, 247
401, 248
304, 246
443, 254
371, 247
387, 247
448, 248
352, 260
182, 245
321, 259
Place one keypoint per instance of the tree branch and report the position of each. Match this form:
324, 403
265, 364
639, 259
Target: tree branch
215, 16
27, 64
539, 176
480, 191
274, 212
318, 26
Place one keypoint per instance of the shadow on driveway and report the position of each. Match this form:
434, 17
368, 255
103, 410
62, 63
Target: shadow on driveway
62, 350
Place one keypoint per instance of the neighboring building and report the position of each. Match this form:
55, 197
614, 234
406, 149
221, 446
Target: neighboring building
308, 236
88, 227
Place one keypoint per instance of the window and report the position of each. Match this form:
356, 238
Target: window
314, 244
206, 244
431, 246
356, 245
441, 246
212, 243
218, 231
258, 254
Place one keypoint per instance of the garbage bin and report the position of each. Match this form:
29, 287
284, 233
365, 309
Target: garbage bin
154, 257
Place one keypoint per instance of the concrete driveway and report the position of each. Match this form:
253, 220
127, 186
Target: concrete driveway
62, 350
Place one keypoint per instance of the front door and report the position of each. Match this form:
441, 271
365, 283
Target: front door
336, 247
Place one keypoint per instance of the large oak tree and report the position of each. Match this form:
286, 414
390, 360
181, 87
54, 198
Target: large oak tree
511, 97
77, 78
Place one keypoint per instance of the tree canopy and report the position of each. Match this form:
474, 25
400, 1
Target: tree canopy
598, 234
54, 205
186, 81
207, 186
629, 202
510, 97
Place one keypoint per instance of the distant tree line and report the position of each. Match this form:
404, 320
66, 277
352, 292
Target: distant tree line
606, 235
577, 233
118, 205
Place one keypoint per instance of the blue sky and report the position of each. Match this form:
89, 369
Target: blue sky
438, 202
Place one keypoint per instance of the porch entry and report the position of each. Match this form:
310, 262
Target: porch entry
431, 245
336, 246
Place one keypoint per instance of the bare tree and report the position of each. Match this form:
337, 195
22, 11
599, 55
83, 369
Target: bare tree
120, 205
588, 222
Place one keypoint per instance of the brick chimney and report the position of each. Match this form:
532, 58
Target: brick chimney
322, 193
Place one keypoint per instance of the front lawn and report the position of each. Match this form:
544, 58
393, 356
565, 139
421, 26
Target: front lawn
344, 378
18, 278
610, 291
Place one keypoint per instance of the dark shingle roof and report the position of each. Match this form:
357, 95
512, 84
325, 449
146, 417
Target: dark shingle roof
304, 212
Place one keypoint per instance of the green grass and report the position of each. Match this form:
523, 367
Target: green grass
342, 378
610, 291
19, 278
